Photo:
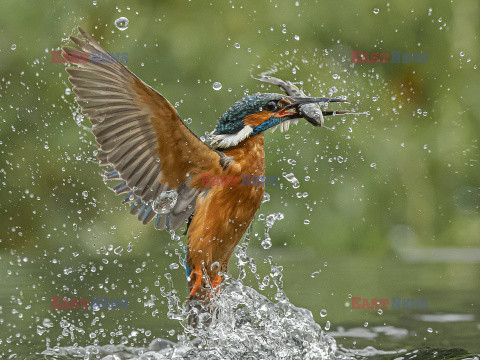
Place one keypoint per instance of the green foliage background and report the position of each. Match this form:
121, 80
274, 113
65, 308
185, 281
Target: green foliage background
421, 133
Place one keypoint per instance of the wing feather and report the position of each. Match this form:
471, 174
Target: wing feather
141, 137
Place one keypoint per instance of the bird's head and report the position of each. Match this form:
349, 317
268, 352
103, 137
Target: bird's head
256, 113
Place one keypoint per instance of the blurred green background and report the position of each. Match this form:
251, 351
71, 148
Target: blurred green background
374, 193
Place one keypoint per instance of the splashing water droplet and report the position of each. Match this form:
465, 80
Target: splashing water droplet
376, 11
217, 85
13, 47
122, 23
68, 91
266, 244
270, 220
291, 178
323, 313
165, 202
237, 45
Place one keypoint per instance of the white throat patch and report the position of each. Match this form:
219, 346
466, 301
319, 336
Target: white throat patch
228, 140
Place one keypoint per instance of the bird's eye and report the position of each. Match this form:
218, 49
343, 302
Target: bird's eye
271, 106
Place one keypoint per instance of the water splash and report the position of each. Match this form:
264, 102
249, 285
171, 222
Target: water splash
238, 323
243, 324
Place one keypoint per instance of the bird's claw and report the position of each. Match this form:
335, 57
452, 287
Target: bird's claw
198, 280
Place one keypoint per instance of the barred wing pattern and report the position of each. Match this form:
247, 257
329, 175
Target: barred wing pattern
143, 141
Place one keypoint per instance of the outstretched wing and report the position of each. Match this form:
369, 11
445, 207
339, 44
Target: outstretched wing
157, 159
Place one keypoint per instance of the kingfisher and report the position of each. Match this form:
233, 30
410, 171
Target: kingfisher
162, 167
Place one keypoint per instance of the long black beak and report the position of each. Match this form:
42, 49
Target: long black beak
309, 109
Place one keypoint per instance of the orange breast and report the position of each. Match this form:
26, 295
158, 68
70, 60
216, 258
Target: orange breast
224, 214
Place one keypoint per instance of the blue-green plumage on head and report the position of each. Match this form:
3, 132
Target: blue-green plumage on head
232, 121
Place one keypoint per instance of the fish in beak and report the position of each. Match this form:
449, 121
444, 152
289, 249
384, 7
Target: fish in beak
306, 107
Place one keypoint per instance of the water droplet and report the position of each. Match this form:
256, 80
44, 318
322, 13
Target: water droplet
291, 178
266, 244
327, 326
323, 313
237, 45
118, 250
430, 330
306, 222
14, 46
297, 37
270, 220
165, 202
376, 11
68, 91
315, 273
173, 266
217, 85
266, 197
122, 23
380, 311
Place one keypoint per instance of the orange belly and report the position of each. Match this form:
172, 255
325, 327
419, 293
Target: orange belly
224, 214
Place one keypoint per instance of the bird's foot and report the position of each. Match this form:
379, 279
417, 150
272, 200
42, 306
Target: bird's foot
216, 281
198, 280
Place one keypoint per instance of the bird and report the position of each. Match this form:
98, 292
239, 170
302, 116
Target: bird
161, 166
